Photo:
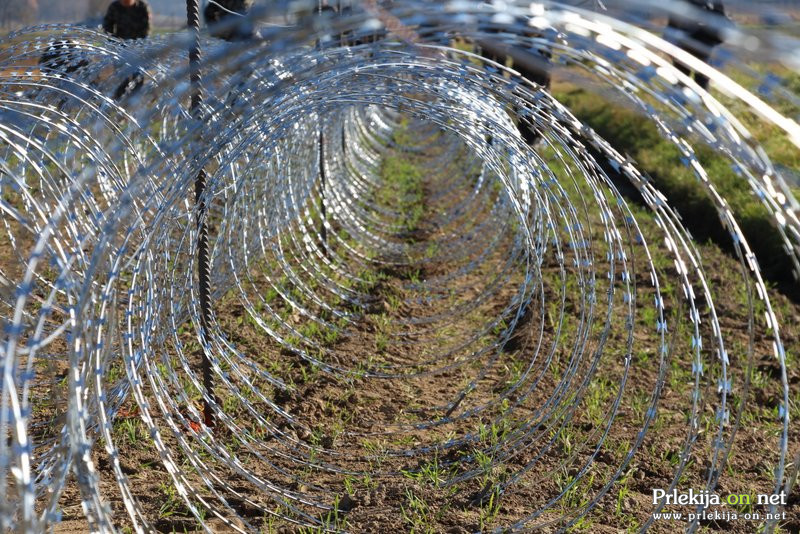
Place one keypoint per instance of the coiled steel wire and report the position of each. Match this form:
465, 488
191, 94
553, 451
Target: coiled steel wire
461, 318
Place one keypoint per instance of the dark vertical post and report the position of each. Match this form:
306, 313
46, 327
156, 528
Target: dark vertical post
203, 261
323, 232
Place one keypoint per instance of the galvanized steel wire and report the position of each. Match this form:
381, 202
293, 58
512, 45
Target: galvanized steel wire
99, 247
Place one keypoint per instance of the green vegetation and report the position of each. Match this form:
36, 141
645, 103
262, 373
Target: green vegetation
634, 134
402, 190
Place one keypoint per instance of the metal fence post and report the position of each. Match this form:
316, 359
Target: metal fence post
203, 260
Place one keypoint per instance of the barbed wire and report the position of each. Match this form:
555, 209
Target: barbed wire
500, 255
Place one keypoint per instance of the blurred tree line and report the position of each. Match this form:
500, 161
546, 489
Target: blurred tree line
19, 13
16, 13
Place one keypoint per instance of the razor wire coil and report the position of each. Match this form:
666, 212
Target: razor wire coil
493, 255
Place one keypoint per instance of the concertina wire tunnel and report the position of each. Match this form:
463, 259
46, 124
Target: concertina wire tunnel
496, 250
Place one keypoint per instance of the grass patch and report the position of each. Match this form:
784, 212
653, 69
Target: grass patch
634, 134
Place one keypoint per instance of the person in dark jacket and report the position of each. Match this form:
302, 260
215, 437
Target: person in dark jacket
128, 19
221, 14
697, 35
